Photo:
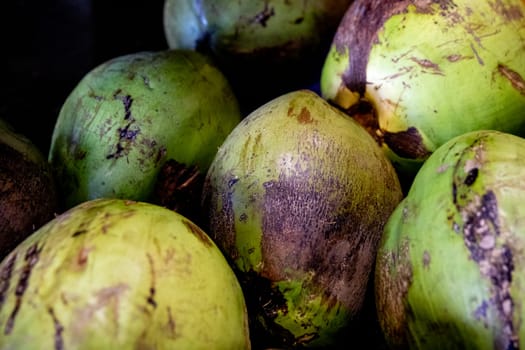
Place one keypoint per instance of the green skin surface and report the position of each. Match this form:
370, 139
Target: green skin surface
265, 48
248, 26
432, 289
130, 115
441, 74
288, 176
115, 274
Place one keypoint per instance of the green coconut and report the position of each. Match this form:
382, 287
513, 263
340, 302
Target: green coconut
142, 126
449, 271
297, 197
257, 43
431, 70
117, 274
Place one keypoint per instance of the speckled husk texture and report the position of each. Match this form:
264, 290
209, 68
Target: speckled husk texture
297, 197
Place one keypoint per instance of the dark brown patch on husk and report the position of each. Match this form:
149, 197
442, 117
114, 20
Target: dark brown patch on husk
264, 15
509, 11
364, 114
407, 144
126, 138
312, 230
264, 301
358, 30
300, 218
304, 116
82, 258
513, 77
488, 248
127, 101
31, 258
220, 218
481, 231
5, 276
472, 175
128, 133
170, 324
150, 299
79, 233
178, 187
393, 279
28, 197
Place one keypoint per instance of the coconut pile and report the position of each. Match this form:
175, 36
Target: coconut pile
282, 175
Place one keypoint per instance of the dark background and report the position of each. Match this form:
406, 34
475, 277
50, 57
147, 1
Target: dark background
48, 46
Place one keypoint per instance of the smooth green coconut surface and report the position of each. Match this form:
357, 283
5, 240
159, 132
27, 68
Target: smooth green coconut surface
448, 272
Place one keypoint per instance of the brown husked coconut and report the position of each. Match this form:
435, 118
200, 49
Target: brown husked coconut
28, 197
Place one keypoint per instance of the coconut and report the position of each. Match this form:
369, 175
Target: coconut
449, 271
118, 274
143, 126
296, 198
431, 70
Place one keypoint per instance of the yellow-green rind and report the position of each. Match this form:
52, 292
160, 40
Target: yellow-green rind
115, 274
